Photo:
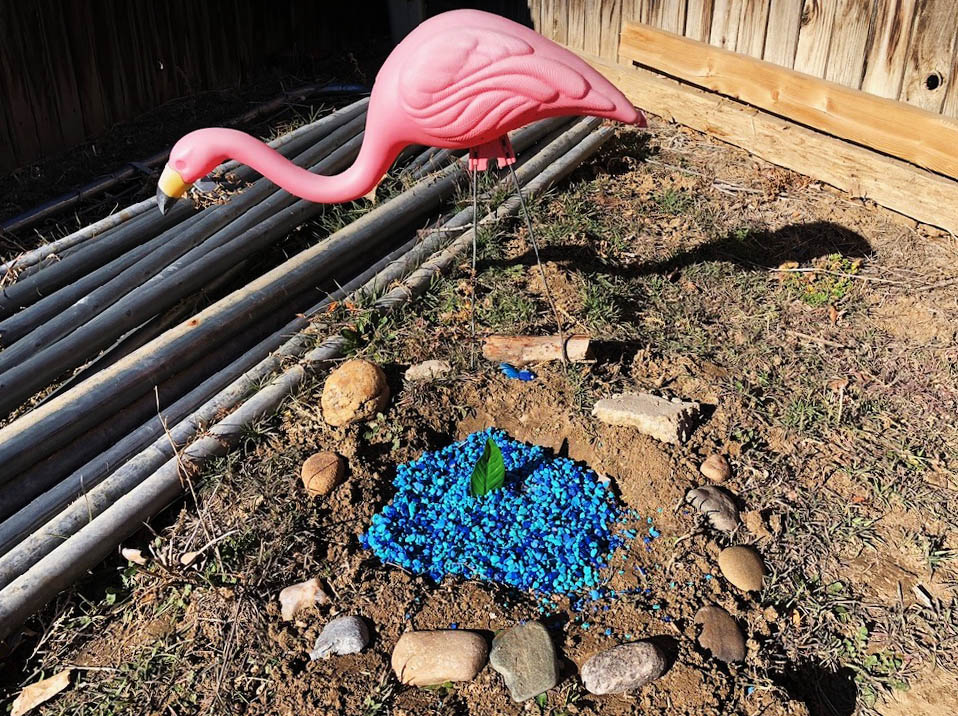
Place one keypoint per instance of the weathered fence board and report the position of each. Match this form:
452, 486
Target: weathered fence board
929, 60
897, 49
781, 37
885, 59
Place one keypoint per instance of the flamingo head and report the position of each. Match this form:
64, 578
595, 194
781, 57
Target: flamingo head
190, 159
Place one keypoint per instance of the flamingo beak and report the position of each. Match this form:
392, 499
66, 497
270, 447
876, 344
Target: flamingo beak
170, 188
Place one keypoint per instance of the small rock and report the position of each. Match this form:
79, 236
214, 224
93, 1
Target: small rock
133, 555
322, 472
742, 566
720, 634
427, 658
427, 370
670, 421
343, 635
355, 391
296, 597
526, 658
716, 504
623, 668
716, 468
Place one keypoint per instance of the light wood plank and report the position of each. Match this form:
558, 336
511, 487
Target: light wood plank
781, 37
725, 22
900, 186
545, 18
535, 13
698, 19
592, 37
576, 24
951, 97
752, 27
610, 24
894, 128
885, 60
668, 15
814, 34
560, 21
637, 10
846, 52
928, 64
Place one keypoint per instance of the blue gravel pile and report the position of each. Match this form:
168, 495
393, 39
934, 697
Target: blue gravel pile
550, 528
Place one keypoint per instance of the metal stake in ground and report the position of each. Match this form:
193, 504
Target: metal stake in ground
542, 271
472, 275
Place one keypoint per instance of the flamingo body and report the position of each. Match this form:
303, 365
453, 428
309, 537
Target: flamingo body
460, 80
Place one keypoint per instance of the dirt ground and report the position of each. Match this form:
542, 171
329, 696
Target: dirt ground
818, 330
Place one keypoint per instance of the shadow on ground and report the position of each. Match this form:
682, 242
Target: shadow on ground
754, 250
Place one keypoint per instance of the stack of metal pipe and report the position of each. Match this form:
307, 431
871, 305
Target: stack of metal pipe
111, 386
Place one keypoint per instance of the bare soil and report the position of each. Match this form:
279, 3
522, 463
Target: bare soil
817, 329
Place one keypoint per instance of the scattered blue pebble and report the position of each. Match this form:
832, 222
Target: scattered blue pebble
511, 371
550, 529
585, 625
608, 632
454, 625
654, 532
749, 691
708, 577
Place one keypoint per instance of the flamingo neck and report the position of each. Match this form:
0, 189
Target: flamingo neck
373, 162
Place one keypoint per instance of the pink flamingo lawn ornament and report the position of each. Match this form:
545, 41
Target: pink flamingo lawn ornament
460, 80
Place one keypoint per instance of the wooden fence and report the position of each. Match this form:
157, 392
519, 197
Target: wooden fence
860, 94
898, 49
70, 68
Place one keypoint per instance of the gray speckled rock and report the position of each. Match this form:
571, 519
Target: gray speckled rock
716, 505
343, 635
623, 668
526, 658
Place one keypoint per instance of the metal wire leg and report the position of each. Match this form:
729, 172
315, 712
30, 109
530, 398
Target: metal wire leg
542, 271
472, 279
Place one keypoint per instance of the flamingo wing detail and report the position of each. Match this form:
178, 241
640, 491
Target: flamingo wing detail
470, 86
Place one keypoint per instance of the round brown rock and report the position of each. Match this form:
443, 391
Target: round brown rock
742, 566
355, 391
322, 472
622, 668
716, 468
428, 658
720, 634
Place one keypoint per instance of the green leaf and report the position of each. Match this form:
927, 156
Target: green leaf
542, 699
490, 471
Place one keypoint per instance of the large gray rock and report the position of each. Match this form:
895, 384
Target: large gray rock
670, 421
623, 668
428, 658
717, 505
343, 635
526, 658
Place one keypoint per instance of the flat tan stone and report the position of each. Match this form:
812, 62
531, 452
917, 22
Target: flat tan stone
670, 421
428, 658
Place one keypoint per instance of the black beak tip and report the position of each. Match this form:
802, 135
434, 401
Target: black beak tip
164, 201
